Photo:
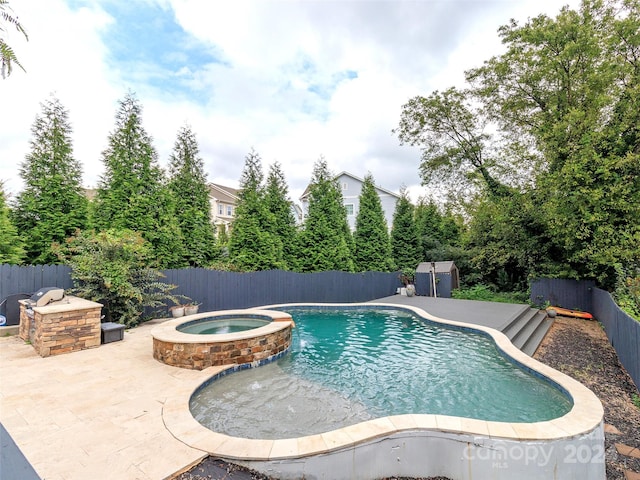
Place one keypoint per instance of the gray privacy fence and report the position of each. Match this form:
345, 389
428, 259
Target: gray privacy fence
622, 330
217, 290
565, 293
17, 279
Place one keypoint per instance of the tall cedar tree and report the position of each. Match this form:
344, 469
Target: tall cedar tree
132, 194
279, 204
11, 250
371, 237
188, 185
405, 243
253, 245
436, 229
325, 241
52, 205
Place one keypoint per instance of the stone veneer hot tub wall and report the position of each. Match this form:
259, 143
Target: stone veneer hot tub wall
198, 351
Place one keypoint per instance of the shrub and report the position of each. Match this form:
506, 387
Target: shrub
627, 291
111, 267
484, 293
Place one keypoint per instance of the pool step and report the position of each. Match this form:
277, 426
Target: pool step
527, 330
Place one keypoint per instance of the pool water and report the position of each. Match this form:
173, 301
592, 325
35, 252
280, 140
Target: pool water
352, 364
217, 325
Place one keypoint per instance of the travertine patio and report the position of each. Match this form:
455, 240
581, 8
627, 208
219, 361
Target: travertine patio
96, 413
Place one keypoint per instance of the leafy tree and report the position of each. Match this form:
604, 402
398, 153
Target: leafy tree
325, 239
188, 185
253, 245
564, 102
7, 55
456, 151
111, 267
405, 242
11, 250
52, 205
371, 238
510, 242
132, 193
279, 205
570, 84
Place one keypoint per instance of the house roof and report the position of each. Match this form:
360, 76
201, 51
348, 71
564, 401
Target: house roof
361, 180
224, 194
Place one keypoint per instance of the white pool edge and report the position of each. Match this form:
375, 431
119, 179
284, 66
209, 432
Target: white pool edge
571, 446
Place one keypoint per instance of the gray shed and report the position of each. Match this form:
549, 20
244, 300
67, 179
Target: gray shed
447, 278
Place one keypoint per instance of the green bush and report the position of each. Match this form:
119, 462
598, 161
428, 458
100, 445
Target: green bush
111, 267
486, 294
627, 291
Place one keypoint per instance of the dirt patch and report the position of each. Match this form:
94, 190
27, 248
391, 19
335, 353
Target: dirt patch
578, 348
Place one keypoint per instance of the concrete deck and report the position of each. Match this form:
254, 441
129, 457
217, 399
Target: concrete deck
97, 413
488, 314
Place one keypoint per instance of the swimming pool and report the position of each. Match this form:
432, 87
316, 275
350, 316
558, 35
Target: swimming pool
416, 444
348, 365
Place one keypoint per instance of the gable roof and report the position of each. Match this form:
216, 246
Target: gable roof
361, 180
224, 194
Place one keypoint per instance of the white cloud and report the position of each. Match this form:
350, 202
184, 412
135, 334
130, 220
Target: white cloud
282, 86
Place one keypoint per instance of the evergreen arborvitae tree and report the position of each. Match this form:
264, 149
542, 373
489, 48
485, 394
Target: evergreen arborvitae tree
405, 243
132, 194
188, 185
253, 246
325, 239
284, 223
52, 205
11, 250
371, 238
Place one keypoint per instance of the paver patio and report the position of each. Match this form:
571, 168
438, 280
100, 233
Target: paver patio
95, 413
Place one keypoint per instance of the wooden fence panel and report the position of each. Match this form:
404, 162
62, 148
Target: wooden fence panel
560, 292
622, 330
29, 279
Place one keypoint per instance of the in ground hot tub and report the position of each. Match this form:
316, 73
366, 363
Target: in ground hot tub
218, 325
237, 338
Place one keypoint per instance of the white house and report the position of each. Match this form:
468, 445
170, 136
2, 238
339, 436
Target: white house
351, 189
223, 204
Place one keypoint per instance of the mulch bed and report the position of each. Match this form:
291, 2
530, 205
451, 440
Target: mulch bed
578, 348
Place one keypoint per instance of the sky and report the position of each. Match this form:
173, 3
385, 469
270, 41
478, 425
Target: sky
292, 80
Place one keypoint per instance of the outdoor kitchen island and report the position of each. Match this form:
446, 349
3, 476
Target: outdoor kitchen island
68, 325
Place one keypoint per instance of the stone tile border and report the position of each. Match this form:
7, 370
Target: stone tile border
581, 427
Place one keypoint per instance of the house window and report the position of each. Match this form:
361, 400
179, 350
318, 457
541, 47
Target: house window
220, 209
349, 207
229, 211
345, 185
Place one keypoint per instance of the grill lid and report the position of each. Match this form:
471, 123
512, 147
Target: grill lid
46, 295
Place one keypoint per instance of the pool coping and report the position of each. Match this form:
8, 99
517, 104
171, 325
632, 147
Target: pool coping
585, 416
167, 332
